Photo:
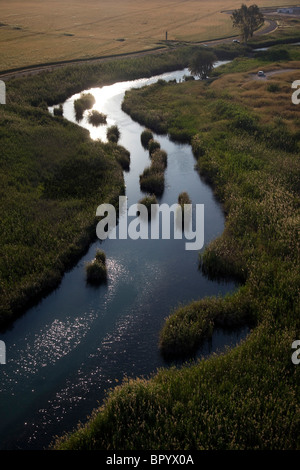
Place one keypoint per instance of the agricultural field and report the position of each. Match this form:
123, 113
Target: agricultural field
37, 32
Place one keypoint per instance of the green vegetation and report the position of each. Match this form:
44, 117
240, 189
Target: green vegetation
247, 20
53, 176
184, 198
96, 271
122, 155
186, 212
202, 63
86, 101
146, 136
153, 145
242, 400
147, 201
113, 134
152, 180
246, 398
188, 326
273, 88
52, 179
261, 60
159, 158
96, 118
58, 110
286, 33
56, 86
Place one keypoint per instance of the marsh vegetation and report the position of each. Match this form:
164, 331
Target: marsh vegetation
113, 134
246, 145
84, 102
152, 180
96, 271
96, 118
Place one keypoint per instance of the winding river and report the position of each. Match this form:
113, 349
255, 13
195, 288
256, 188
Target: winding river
66, 352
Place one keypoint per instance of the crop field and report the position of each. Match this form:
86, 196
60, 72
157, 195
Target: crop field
34, 31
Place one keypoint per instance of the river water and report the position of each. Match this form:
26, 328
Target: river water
66, 352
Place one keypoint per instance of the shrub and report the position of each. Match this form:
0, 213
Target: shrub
198, 146
245, 122
96, 271
123, 158
185, 329
184, 198
96, 118
161, 82
159, 158
58, 111
86, 101
152, 146
188, 78
100, 256
146, 136
153, 182
113, 134
275, 54
273, 87
202, 63
148, 201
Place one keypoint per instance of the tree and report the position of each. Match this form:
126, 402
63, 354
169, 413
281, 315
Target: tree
247, 19
202, 63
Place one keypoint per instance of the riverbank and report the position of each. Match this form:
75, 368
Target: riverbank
246, 143
37, 246
53, 176
257, 142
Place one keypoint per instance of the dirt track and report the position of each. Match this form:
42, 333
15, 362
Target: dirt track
254, 76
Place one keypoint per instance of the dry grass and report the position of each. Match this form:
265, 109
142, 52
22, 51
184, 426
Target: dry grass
256, 95
39, 32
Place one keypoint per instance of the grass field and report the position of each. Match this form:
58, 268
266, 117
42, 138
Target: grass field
39, 32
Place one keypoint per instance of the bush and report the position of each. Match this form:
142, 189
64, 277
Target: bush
58, 111
202, 63
245, 122
273, 87
198, 146
113, 134
86, 101
153, 182
148, 201
152, 146
146, 136
184, 198
100, 256
276, 54
188, 78
96, 118
96, 271
185, 329
123, 158
159, 158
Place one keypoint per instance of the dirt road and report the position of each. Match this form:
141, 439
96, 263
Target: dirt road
271, 73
